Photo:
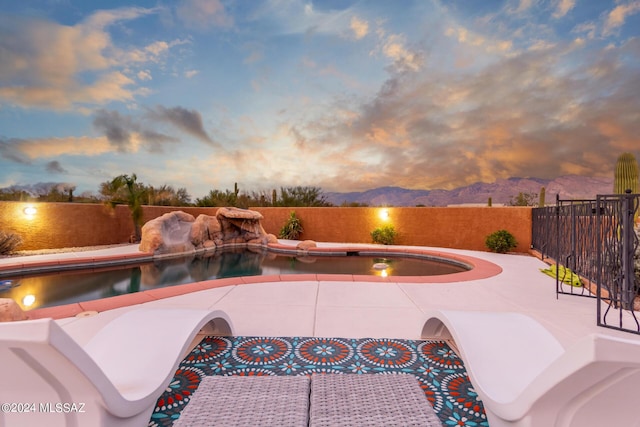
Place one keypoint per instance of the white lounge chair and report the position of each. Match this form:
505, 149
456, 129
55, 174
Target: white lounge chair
525, 377
47, 378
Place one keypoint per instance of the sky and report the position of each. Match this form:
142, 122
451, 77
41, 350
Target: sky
339, 94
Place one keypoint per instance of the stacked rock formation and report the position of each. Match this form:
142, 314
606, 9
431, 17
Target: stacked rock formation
179, 232
10, 311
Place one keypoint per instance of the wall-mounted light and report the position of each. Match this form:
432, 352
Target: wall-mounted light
384, 214
30, 211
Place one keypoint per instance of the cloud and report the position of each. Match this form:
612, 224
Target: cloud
301, 17
117, 128
359, 27
128, 134
104, 18
110, 87
587, 28
54, 166
53, 66
563, 7
203, 14
617, 17
536, 113
152, 53
480, 42
518, 6
189, 121
393, 46
191, 73
9, 151
25, 150
144, 75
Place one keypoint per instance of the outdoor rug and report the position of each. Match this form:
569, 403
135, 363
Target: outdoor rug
439, 370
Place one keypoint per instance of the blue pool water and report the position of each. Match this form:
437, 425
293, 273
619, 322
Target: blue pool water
51, 289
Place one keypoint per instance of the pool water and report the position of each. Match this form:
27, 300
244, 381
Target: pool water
52, 289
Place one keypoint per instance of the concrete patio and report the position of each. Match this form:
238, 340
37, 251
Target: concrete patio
348, 307
364, 307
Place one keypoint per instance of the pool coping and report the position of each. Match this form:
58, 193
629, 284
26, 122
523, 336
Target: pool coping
481, 269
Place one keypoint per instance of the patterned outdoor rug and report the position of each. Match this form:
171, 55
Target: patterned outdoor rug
440, 371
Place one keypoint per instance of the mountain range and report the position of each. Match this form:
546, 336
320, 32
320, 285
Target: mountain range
500, 191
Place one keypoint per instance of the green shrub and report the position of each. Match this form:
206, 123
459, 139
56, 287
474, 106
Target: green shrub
9, 242
292, 229
385, 235
501, 241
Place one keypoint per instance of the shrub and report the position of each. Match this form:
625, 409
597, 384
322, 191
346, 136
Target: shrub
292, 229
501, 241
385, 235
9, 242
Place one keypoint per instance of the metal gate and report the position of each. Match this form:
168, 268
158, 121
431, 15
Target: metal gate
595, 240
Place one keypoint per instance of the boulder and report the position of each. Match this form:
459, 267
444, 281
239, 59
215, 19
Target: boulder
178, 231
241, 226
168, 233
10, 311
306, 245
238, 213
206, 228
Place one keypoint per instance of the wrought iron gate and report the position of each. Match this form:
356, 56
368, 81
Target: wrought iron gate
595, 239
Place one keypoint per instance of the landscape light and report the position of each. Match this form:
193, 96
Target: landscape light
30, 211
384, 214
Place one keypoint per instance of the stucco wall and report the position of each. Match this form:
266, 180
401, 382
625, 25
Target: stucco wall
58, 225
450, 227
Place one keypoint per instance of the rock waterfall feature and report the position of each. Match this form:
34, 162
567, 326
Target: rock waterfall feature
180, 232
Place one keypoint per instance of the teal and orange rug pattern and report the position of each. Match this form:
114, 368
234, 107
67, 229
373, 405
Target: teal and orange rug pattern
440, 371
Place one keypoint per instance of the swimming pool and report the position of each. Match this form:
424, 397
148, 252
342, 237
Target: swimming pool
58, 288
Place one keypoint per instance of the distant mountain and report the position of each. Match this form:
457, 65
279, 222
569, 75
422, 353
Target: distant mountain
390, 196
501, 191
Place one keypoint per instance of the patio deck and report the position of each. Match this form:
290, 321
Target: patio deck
346, 306
355, 307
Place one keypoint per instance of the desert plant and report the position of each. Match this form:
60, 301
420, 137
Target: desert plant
523, 199
302, 196
384, 235
8, 242
490, 202
292, 229
126, 189
626, 175
542, 196
501, 241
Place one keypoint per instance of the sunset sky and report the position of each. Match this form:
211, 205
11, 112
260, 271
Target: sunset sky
344, 95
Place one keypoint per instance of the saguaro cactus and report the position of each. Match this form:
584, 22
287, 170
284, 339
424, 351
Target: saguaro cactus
626, 175
542, 195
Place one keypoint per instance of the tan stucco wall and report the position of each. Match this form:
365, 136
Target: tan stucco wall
58, 225
450, 227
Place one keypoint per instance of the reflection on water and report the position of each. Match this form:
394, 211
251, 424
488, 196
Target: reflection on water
83, 285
